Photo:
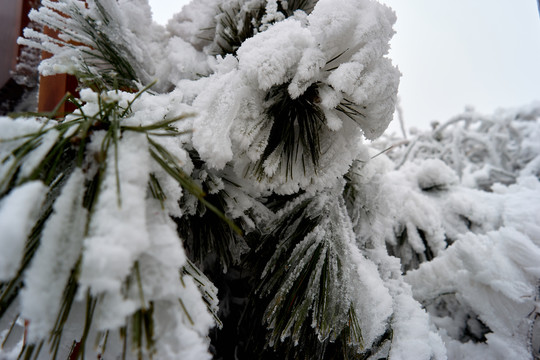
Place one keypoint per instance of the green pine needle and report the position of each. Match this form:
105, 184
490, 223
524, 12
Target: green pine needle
237, 25
295, 122
305, 277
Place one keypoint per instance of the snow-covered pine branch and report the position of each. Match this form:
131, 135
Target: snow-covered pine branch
262, 225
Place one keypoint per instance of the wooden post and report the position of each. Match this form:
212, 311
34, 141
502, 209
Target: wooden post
13, 19
53, 88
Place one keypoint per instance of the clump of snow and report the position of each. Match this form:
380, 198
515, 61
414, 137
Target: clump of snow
271, 64
36, 156
299, 51
19, 210
16, 134
219, 106
191, 23
117, 234
519, 207
60, 247
372, 298
413, 337
374, 213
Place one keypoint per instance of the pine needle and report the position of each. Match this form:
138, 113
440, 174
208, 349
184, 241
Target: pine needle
295, 130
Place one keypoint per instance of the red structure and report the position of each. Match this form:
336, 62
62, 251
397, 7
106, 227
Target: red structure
53, 88
13, 19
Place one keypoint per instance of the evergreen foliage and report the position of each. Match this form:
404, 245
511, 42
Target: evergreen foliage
308, 272
231, 210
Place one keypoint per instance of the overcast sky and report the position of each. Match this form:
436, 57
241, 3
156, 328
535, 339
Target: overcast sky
484, 53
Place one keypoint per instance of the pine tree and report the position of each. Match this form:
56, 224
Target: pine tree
213, 196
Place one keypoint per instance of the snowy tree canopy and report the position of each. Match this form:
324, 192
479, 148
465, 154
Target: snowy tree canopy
216, 195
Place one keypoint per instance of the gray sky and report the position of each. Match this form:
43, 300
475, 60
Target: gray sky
483, 53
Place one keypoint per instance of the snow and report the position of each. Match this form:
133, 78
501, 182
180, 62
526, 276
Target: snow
520, 206
185, 62
271, 64
18, 212
507, 281
220, 104
413, 338
16, 134
117, 233
60, 247
37, 155
374, 302
189, 24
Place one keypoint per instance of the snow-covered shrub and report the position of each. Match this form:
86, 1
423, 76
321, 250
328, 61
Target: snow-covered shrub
467, 236
482, 150
93, 194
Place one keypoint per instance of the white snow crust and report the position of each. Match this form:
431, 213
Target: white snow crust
18, 212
